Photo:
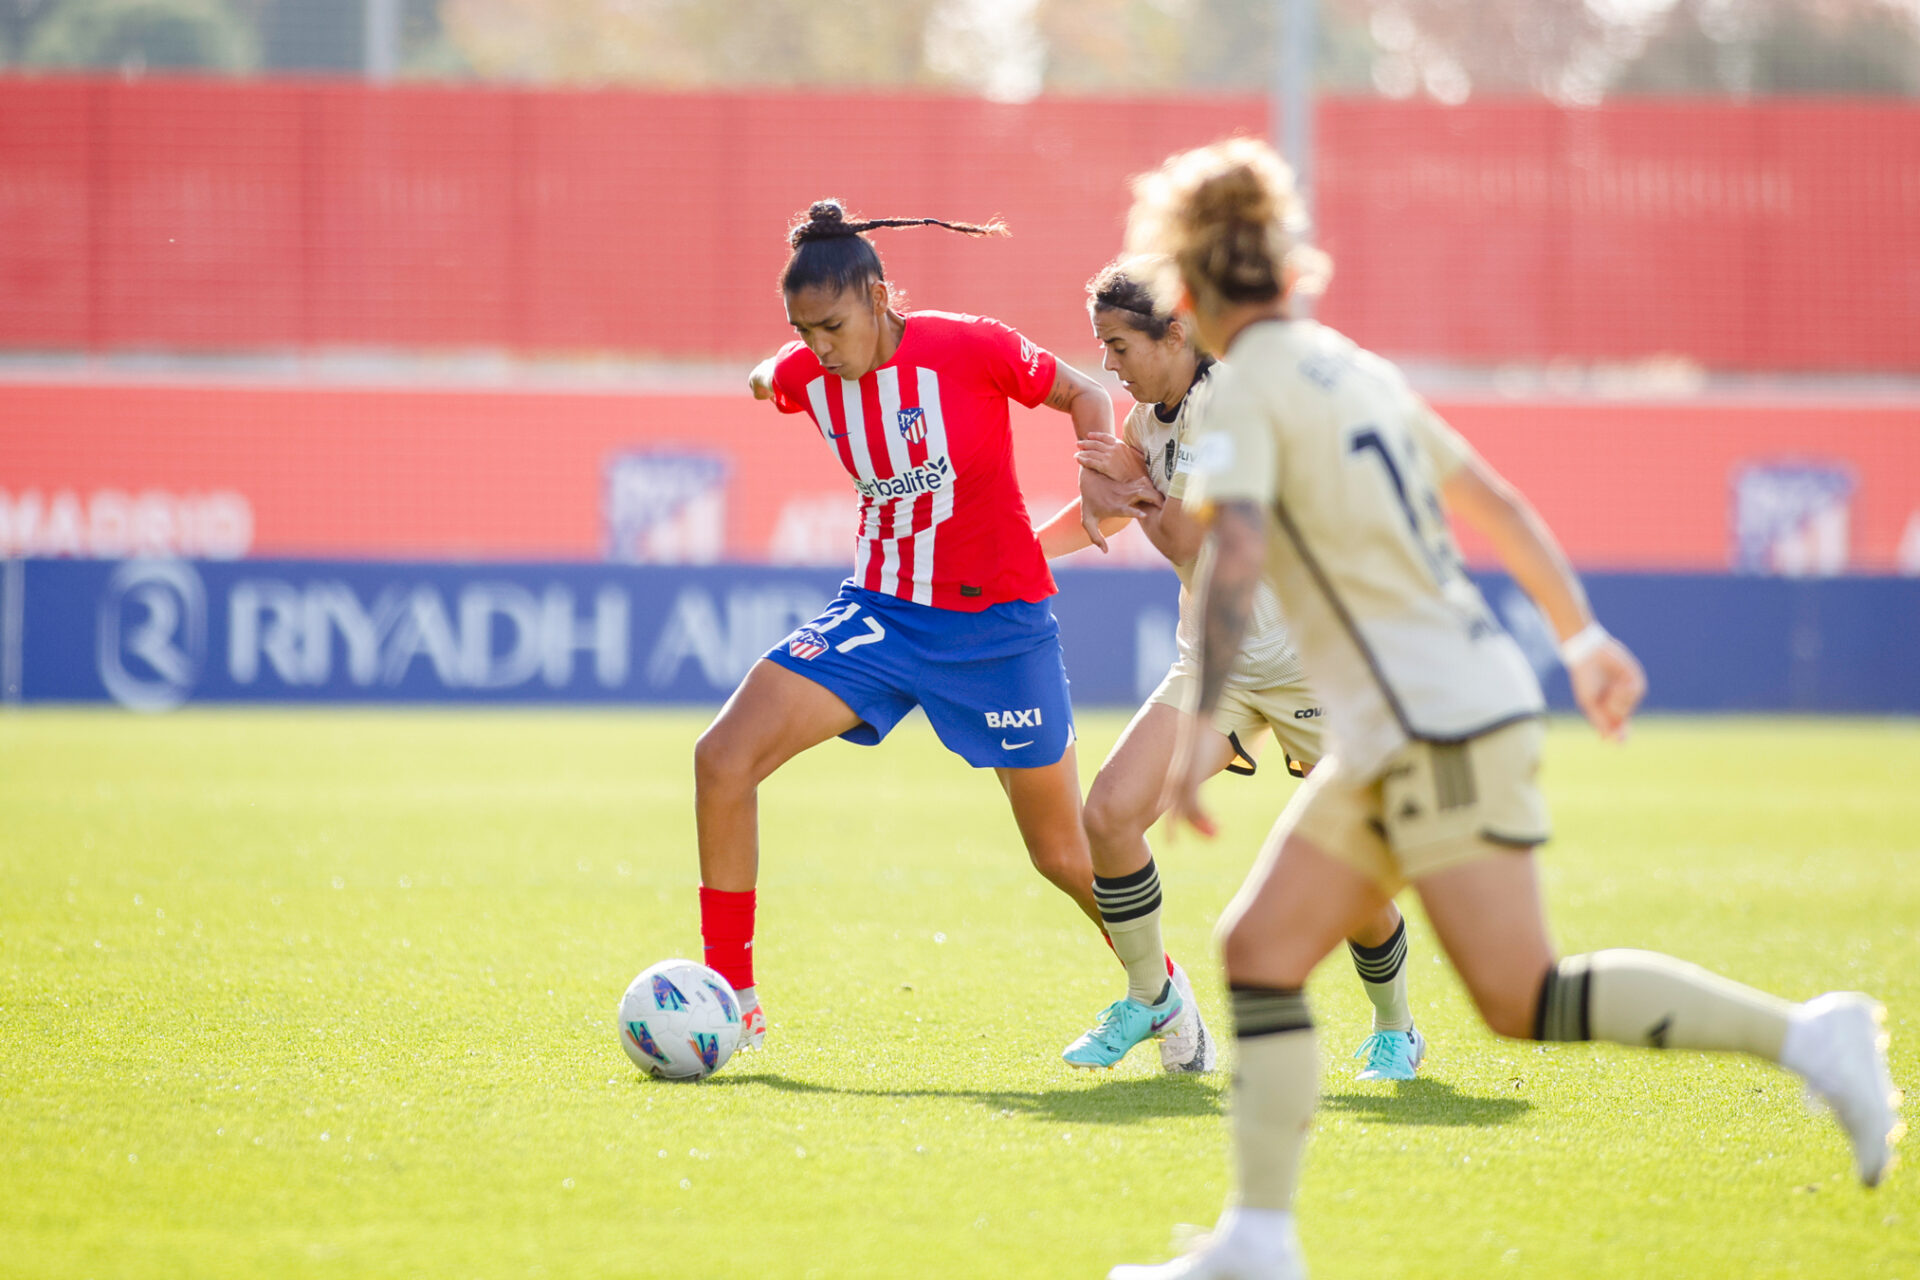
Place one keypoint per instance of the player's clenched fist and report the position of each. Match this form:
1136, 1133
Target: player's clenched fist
1608, 683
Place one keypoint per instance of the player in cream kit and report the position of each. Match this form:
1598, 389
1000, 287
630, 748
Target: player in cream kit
1151, 351
1317, 467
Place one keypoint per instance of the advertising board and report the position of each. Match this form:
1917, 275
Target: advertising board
152, 635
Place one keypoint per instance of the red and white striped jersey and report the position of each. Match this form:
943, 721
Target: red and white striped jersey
926, 438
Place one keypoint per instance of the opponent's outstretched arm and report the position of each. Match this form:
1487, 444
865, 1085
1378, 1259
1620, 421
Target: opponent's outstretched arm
1081, 399
1168, 525
1087, 403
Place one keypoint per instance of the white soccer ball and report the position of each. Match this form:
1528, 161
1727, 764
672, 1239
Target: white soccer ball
679, 1021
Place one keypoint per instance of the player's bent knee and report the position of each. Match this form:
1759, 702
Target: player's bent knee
1507, 1005
1065, 864
1110, 820
1509, 1021
721, 761
1262, 956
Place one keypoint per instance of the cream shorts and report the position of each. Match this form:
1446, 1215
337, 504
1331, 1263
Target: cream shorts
1434, 806
1290, 711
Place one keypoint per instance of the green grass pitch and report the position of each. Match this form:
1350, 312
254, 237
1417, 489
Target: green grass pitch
330, 994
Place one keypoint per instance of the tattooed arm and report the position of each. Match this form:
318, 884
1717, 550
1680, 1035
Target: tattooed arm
1087, 403
1231, 564
1082, 399
1234, 557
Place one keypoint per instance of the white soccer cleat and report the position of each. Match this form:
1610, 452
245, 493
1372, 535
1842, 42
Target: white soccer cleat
1187, 1048
753, 1027
1839, 1043
1228, 1254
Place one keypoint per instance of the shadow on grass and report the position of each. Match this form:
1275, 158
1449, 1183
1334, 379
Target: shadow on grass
1427, 1102
1135, 1099
1127, 1101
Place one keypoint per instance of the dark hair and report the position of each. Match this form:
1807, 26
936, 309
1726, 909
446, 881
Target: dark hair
830, 251
1115, 288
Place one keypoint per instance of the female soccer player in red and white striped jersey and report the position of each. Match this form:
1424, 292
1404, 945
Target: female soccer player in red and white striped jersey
947, 606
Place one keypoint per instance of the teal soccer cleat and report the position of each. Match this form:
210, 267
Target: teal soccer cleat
1392, 1055
1122, 1025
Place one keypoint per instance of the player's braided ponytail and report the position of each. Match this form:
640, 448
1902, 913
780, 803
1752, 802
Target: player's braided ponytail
830, 250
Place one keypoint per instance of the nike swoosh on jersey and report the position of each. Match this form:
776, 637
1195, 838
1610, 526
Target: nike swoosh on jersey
1014, 746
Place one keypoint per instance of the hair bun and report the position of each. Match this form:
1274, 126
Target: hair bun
1232, 198
824, 220
1230, 216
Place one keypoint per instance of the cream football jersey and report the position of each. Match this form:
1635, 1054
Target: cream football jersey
1266, 658
1347, 461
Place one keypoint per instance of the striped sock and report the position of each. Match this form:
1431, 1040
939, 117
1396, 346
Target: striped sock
1276, 1086
1383, 972
1647, 999
1130, 910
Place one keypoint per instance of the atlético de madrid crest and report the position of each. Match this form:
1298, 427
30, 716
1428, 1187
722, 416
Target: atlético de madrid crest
913, 425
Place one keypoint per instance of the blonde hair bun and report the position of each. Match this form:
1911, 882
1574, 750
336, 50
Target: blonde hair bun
1231, 220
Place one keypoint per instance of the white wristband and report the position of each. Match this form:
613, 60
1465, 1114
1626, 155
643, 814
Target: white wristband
1583, 644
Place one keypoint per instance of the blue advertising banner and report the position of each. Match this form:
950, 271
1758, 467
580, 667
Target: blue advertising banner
156, 634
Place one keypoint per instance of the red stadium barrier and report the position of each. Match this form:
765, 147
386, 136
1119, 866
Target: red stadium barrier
298, 471
198, 215
48, 154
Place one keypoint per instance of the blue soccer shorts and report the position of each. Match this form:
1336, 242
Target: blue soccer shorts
993, 683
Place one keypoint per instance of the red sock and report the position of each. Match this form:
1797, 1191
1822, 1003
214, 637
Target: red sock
726, 926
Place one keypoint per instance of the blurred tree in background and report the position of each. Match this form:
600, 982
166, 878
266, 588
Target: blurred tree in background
1574, 51
313, 35
1204, 45
17, 18
161, 35
330, 36
1569, 50
1447, 50
214, 35
1778, 46
690, 43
